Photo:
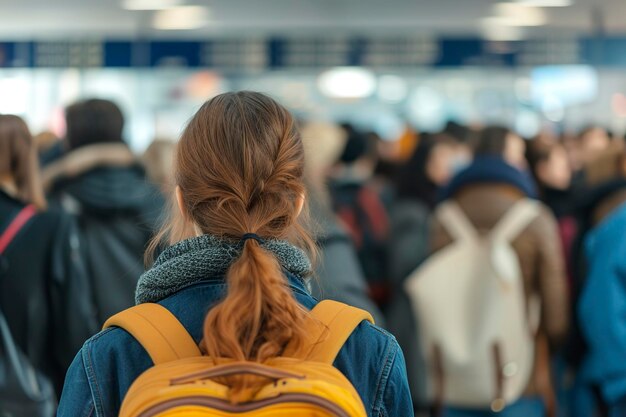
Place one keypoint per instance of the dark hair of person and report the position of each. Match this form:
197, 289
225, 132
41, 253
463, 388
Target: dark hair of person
538, 152
412, 178
358, 145
93, 121
491, 141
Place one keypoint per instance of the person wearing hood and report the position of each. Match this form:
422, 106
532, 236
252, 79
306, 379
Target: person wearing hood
485, 191
101, 182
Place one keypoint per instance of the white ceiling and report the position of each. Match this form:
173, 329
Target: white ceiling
37, 19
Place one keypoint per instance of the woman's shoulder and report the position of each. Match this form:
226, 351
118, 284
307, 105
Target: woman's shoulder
112, 346
372, 360
372, 341
108, 362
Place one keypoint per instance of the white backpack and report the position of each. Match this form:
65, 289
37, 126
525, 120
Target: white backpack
475, 326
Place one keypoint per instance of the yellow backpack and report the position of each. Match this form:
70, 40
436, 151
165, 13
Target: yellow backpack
182, 382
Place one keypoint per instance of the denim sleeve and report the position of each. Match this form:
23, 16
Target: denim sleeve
397, 400
76, 400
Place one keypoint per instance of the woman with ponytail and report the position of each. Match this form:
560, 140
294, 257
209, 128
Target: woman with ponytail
234, 265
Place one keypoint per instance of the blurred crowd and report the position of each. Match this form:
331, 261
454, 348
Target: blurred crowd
376, 212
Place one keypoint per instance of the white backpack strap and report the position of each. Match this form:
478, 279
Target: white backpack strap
515, 220
455, 221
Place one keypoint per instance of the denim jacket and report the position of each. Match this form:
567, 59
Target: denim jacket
109, 362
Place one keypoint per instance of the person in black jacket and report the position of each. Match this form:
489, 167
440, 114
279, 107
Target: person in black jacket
44, 291
103, 184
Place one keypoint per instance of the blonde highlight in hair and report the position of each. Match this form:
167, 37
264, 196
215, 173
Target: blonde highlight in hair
239, 166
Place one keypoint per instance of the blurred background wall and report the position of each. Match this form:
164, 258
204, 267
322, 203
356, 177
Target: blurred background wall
533, 64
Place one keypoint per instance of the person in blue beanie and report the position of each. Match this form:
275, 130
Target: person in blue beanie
485, 191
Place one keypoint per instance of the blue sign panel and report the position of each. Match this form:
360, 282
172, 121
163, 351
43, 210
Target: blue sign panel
256, 54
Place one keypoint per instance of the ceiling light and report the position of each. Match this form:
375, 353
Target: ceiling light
515, 14
493, 30
347, 82
149, 4
181, 18
546, 3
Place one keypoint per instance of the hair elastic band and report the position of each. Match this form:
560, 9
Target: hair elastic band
252, 236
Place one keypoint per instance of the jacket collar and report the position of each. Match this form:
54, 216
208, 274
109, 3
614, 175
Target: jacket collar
208, 258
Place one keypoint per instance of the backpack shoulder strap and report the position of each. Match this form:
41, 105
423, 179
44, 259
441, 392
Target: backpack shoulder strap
455, 221
331, 325
515, 220
16, 225
158, 331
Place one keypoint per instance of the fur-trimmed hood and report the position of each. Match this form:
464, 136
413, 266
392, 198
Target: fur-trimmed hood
103, 178
84, 159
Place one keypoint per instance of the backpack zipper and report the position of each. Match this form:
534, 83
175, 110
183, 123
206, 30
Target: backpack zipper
226, 406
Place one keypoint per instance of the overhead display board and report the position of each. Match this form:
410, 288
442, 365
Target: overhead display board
255, 54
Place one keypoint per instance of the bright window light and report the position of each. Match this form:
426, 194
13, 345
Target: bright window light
553, 108
426, 108
570, 84
546, 3
14, 94
149, 4
181, 18
347, 82
494, 31
392, 88
516, 14
527, 123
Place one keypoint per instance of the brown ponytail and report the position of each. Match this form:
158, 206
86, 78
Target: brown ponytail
240, 166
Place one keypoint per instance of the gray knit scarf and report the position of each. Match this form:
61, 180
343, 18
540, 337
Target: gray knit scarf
207, 258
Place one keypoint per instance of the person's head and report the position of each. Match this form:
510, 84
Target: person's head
430, 167
158, 160
502, 142
608, 165
594, 140
46, 140
323, 142
19, 167
550, 165
93, 121
356, 148
459, 132
239, 169
359, 152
